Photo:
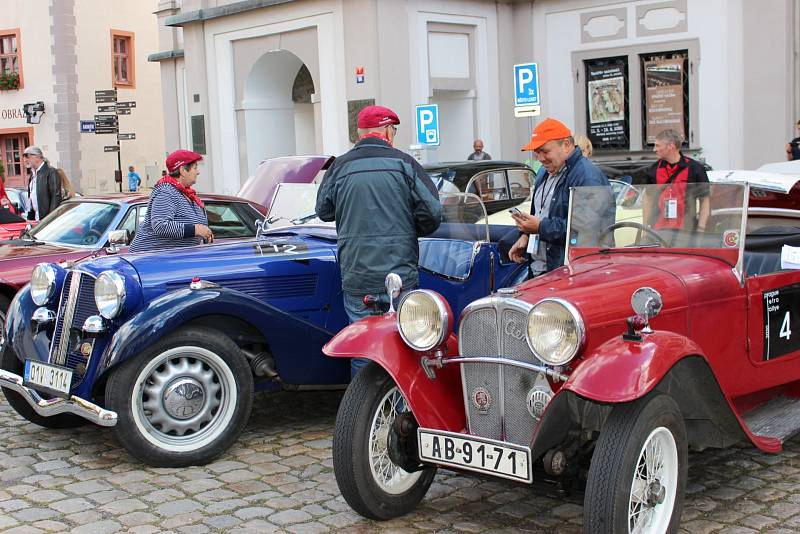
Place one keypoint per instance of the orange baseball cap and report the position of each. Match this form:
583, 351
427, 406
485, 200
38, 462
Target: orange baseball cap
547, 130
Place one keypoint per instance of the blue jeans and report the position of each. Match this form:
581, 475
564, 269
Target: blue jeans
356, 309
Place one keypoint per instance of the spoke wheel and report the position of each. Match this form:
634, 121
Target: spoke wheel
184, 400
389, 476
637, 475
371, 483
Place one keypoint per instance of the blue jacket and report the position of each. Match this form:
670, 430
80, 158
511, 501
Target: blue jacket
553, 228
382, 201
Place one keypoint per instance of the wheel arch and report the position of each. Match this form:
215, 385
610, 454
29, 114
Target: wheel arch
710, 421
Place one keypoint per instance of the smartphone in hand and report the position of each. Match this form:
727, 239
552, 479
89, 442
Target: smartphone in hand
514, 211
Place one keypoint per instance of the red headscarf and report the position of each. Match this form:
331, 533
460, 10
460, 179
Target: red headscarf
188, 192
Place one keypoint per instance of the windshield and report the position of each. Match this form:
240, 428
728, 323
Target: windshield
707, 216
76, 223
291, 202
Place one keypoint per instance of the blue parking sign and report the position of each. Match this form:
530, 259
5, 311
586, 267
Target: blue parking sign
526, 84
428, 124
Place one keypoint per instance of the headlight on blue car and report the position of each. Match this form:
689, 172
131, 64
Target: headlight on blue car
43, 284
109, 294
424, 320
555, 331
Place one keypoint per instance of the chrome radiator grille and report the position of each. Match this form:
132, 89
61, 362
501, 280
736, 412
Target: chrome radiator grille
76, 304
496, 396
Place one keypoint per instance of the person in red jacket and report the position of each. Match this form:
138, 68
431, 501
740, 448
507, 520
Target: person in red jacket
672, 207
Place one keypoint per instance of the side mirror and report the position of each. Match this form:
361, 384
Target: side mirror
117, 238
394, 285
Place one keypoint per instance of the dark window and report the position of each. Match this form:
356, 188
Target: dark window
233, 219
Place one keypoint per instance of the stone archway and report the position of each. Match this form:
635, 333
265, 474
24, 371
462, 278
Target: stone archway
278, 112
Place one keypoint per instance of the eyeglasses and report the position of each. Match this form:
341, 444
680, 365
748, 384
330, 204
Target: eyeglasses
394, 128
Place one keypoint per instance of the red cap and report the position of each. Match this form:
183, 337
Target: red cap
180, 158
376, 116
547, 130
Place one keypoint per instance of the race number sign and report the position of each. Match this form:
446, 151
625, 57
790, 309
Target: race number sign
781, 321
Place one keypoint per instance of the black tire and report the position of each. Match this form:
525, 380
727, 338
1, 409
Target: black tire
11, 363
366, 394
612, 474
183, 401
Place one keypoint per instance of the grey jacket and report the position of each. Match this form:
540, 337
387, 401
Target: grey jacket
382, 201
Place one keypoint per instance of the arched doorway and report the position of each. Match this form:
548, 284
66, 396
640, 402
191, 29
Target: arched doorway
278, 108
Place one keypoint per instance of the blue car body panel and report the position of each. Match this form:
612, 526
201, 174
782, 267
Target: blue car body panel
284, 287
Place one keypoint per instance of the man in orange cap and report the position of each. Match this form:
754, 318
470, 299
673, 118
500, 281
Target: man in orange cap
541, 235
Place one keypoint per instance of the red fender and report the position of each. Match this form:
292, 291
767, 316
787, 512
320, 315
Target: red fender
623, 371
436, 403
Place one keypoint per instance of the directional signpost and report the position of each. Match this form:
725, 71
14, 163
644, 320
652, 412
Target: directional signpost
526, 90
428, 125
109, 123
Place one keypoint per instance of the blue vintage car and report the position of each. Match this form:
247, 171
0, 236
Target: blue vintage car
169, 347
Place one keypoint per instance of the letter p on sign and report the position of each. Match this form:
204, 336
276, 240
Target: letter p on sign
428, 124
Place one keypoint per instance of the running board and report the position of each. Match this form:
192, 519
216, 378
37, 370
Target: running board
778, 419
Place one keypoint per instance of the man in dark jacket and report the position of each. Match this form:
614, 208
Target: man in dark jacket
541, 236
382, 201
44, 186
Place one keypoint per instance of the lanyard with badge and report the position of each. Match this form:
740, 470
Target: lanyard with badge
533, 239
670, 202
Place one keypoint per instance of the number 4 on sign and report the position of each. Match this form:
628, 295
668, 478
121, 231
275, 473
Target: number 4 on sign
785, 328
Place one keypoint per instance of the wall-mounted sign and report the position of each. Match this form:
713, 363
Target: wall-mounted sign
107, 109
663, 80
111, 148
126, 136
12, 113
88, 126
126, 105
606, 98
359, 74
108, 95
428, 124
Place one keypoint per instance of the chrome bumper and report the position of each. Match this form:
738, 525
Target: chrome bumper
49, 407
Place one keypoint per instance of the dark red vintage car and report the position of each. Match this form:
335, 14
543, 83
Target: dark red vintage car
597, 377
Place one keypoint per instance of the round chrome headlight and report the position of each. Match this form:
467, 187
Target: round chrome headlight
43, 283
555, 331
109, 294
423, 319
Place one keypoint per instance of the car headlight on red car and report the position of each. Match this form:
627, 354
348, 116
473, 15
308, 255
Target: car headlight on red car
424, 319
555, 331
109, 294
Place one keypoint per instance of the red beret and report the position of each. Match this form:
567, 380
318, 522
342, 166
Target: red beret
179, 158
376, 116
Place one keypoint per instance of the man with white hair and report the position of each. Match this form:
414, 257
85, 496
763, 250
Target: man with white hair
44, 186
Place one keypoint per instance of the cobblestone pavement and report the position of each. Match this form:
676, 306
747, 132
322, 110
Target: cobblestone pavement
279, 478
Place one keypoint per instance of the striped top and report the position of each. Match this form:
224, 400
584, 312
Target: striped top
169, 221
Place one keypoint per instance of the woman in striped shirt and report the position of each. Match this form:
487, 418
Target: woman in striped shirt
175, 215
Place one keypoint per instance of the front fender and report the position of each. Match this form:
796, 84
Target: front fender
436, 403
622, 371
174, 309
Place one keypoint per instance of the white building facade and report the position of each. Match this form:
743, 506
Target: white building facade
246, 80
61, 52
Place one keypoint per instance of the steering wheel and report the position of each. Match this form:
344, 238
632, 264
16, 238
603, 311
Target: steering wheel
631, 224
91, 238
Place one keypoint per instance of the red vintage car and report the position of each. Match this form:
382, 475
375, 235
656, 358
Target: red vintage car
597, 377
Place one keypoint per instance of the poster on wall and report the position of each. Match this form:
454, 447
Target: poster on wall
606, 99
663, 80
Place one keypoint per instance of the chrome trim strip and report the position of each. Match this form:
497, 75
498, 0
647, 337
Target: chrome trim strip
739, 268
505, 361
49, 407
58, 355
569, 228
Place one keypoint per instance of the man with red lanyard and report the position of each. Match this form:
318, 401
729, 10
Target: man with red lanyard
672, 207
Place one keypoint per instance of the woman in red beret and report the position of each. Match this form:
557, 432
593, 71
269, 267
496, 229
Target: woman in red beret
175, 216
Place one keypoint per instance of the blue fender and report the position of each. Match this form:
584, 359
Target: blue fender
173, 310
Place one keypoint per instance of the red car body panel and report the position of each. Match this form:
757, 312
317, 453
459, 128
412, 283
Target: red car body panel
11, 230
377, 339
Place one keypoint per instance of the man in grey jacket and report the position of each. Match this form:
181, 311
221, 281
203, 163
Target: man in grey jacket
382, 201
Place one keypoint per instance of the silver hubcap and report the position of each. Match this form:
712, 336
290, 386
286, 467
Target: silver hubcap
184, 399
655, 480
390, 477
